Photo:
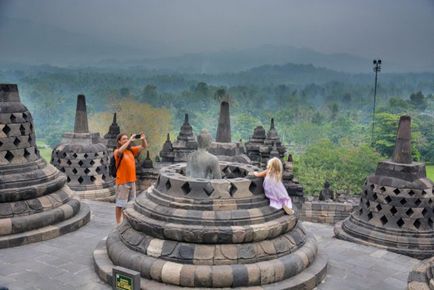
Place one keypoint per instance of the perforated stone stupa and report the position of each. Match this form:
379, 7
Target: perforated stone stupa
84, 158
396, 205
35, 202
211, 233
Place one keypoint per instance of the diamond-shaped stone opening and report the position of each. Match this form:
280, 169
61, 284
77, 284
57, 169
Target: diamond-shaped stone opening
393, 210
396, 191
186, 188
409, 212
103, 177
430, 222
9, 156
387, 199
74, 155
252, 187
403, 201
96, 155
92, 162
98, 169
424, 212
13, 118
417, 202
17, 141
26, 153
92, 178
370, 215
383, 189
378, 207
208, 189
6, 129
374, 196
417, 224
68, 179
80, 180
383, 220
367, 203
400, 222
372, 186
423, 192
232, 189
411, 193
365, 193
68, 162
102, 161
430, 201
168, 185
87, 171
360, 211
74, 171
25, 116
62, 169
85, 155
22, 130
30, 139
63, 154
1, 143
80, 162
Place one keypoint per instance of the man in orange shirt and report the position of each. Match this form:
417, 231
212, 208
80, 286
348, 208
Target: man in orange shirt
126, 170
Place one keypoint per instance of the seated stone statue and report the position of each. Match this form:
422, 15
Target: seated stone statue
326, 193
201, 163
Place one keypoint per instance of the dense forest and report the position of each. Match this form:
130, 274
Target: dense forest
324, 117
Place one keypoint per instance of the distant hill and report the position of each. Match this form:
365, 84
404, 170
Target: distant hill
28, 42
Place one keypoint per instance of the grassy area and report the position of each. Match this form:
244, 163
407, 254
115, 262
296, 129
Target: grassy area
44, 150
430, 171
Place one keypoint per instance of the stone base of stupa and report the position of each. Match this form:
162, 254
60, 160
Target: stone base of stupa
309, 278
81, 218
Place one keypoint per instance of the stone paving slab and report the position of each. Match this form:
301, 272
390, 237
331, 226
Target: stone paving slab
66, 262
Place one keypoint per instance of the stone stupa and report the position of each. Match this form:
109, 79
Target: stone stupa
223, 147
84, 158
35, 202
112, 134
211, 233
185, 142
396, 205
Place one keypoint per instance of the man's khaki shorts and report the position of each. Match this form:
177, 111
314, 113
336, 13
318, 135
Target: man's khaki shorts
125, 193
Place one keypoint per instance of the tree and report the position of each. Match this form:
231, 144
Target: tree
135, 117
418, 100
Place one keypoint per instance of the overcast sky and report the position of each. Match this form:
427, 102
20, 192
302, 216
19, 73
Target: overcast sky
402, 30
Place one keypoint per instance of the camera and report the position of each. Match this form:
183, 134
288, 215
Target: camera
137, 136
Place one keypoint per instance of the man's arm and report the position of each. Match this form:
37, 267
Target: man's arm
144, 144
125, 146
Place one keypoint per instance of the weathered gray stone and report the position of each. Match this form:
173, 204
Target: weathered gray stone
35, 203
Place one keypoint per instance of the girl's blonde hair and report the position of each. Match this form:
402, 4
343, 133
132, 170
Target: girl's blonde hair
275, 168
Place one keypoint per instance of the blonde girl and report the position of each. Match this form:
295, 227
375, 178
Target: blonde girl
274, 189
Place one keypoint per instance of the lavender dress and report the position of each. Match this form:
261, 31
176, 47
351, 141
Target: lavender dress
276, 193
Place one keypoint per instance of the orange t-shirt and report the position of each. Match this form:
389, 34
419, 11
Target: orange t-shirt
126, 171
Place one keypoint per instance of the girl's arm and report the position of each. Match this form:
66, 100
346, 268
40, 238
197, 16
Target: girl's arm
260, 174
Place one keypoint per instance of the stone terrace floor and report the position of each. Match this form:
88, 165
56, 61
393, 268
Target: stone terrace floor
66, 262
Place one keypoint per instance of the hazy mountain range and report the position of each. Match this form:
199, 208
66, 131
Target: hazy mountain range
27, 42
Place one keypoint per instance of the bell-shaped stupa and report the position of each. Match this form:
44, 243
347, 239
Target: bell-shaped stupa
396, 205
84, 158
35, 202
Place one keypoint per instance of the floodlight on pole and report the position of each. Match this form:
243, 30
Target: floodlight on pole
377, 69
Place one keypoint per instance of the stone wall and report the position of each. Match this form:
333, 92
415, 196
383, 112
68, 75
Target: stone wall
325, 212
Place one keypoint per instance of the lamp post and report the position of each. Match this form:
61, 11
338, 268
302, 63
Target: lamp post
377, 69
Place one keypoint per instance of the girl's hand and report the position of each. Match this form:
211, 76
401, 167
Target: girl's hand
255, 173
